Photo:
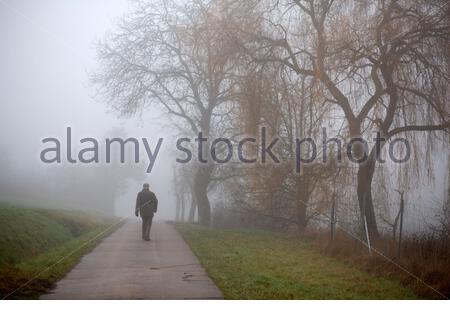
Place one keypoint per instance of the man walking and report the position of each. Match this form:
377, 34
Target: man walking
146, 205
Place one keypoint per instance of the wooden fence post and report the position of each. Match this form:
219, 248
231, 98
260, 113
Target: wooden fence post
364, 224
333, 217
400, 231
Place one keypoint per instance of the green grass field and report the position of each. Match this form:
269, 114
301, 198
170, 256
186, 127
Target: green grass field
32, 240
263, 265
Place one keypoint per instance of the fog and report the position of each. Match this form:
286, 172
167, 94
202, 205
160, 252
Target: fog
47, 59
48, 53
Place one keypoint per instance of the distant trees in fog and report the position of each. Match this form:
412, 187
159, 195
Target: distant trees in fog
94, 187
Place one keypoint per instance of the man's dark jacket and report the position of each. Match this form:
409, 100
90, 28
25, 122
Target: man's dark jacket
146, 203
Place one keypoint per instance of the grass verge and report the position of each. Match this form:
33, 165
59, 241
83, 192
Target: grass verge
33, 240
247, 264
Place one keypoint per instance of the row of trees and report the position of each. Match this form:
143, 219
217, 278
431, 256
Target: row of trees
94, 188
228, 67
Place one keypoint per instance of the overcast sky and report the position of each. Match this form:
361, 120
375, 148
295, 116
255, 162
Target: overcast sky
47, 53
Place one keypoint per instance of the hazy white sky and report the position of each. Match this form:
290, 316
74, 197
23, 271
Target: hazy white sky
47, 53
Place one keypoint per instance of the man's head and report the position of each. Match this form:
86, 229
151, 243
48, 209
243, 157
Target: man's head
146, 186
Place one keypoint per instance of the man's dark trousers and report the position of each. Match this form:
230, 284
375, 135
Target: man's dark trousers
146, 226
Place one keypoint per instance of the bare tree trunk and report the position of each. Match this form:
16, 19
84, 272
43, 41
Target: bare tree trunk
182, 207
177, 212
448, 181
364, 190
193, 207
301, 205
202, 180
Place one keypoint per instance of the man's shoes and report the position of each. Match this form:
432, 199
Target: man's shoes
146, 239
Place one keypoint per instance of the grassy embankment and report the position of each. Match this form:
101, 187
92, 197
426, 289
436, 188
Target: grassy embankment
263, 265
31, 240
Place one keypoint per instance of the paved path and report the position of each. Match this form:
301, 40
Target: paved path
123, 266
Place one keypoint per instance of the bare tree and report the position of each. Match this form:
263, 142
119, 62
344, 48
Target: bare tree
383, 63
174, 56
287, 107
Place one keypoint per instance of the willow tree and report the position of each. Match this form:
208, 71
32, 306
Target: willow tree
173, 56
287, 106
382, 63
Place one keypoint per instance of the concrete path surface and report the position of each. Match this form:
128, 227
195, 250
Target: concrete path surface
123, 266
